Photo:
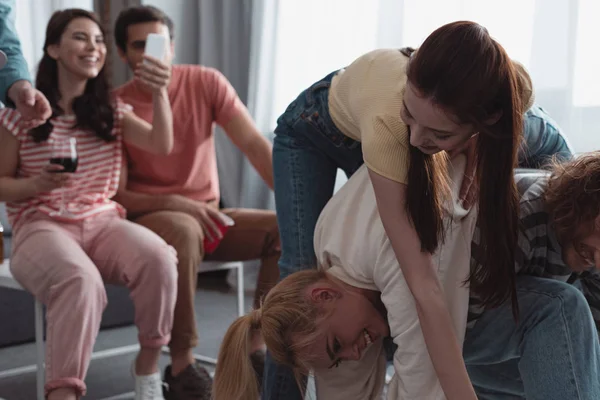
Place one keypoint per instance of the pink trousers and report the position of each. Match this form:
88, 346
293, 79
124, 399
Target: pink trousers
65, 266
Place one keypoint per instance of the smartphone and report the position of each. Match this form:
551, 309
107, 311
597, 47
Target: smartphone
157, 46
224, 223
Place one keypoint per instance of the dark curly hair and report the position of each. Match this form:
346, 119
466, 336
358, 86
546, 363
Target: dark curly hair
93, 109
573, 197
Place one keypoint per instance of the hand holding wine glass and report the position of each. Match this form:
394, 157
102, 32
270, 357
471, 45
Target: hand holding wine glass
49, 179
63, 160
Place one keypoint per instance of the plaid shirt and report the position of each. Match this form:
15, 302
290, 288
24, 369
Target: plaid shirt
538, 252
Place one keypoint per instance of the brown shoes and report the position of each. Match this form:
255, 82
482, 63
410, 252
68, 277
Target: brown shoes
193, 383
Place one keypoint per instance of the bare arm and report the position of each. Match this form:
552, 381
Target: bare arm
16, 68
245, 135
158, 137
420, 275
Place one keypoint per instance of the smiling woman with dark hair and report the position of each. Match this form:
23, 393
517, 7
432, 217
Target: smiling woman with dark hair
66, 247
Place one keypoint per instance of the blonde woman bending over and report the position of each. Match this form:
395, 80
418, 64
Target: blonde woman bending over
333, 320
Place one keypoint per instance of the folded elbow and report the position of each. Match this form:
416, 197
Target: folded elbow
166, 149
163, 148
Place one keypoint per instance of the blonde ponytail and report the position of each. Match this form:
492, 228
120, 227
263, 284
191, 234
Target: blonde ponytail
287, 321
235, 378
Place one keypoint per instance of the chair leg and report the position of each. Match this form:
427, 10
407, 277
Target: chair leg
240, 290
39, 346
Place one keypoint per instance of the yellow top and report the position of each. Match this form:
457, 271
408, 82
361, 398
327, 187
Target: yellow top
365, 100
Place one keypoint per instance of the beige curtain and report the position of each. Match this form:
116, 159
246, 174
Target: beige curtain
117, 71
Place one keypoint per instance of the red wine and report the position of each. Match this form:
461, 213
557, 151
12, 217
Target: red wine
69, 164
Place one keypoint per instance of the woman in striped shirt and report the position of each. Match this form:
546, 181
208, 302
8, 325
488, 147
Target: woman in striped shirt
64, 259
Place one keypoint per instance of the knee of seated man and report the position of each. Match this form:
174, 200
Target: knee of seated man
573, 299
183, 232
563, 297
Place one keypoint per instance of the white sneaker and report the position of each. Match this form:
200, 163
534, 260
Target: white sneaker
147, 387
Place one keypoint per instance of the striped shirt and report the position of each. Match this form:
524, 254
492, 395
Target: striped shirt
538, 251
95, 181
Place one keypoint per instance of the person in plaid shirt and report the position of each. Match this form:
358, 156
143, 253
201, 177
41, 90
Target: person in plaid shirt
552, 351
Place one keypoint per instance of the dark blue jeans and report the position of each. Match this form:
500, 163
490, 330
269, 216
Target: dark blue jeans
307, 152
551, 354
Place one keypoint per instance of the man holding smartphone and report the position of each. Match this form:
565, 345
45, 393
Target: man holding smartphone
177, 196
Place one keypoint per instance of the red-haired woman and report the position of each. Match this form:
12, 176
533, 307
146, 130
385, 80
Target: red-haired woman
403, 113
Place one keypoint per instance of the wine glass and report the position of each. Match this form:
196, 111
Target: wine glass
64, 153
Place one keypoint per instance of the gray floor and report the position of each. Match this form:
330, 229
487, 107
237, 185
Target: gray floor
110, 378
216, 308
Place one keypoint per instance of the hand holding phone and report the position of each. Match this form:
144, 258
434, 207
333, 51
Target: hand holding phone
154, 71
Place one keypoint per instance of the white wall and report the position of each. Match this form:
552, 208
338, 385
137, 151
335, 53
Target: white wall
31, 18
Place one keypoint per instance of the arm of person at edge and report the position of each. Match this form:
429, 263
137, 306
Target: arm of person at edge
420, 275
138, 204
243, 132
15, 81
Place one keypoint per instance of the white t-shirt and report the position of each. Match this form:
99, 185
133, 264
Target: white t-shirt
351, 243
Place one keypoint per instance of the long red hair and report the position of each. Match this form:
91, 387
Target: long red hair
469, 75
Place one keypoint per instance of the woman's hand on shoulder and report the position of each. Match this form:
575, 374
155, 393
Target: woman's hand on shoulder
33, 106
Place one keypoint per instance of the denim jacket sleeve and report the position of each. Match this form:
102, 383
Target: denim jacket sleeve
542, 139
16, 67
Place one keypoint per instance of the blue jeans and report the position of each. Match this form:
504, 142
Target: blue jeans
551, 354
308, 150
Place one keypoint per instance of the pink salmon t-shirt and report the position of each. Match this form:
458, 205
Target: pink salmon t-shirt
200, 97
